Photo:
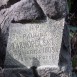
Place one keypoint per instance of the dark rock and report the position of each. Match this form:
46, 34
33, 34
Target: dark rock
22, 12
1, 72
20, 72
2, 50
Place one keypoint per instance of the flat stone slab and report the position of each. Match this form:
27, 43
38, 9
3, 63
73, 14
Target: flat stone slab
34, 44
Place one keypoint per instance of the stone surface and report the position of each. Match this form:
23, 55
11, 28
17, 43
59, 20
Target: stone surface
33, 34
27, 10
12, 72
35, 44
3, 2
53, 8
24, 11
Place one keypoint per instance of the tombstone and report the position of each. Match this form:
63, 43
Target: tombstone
37, 38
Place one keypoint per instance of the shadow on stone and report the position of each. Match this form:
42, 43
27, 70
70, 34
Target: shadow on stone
54, 75
2, 49
8, 4
36, 19
58, 15
10, 62
35, 62
24, 21
35, 71
11, 2
65, 53
16, 72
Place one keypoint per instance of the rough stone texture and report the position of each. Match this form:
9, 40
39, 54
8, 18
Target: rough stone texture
29, 11
1, 72
19, 12
49, 15
7, 3
53, 8
3, 2
20, 72
27, 42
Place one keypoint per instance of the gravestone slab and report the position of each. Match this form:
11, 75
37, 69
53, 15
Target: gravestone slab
33, 35
35, 44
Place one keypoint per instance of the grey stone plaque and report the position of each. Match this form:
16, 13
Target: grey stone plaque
35, 44
34, 38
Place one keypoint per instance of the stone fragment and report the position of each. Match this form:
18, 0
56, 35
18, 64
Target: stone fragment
54, 9
27, 10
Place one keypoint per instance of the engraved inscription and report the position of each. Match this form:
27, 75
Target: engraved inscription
34, 44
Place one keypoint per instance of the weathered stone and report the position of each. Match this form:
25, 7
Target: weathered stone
53, 8
27, 10
27, 42
7, 3
3, 2
31, 10
23, 11
34, 35
20, 72
1, 72
39, 44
